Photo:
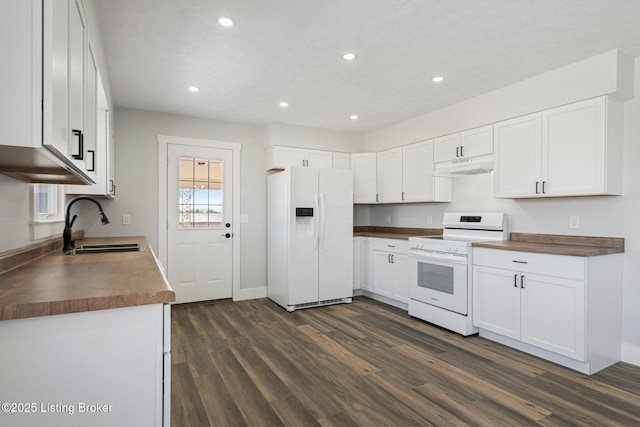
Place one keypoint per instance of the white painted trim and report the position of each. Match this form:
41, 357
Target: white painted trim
163, 144
631, 354
250, 293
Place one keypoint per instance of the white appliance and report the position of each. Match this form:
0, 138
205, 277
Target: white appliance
310, 237
440, 269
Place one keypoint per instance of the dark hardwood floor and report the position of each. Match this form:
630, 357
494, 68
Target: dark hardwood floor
367, 364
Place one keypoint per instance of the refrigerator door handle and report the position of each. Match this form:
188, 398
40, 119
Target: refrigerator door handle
315, 223
323, 221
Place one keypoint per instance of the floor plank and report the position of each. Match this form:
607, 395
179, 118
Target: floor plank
251, 363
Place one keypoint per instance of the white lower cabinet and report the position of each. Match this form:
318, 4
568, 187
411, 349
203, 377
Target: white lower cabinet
99, 368
366, 263
544, 311
551, 306
391, 269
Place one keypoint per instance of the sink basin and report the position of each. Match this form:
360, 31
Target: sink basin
107, 248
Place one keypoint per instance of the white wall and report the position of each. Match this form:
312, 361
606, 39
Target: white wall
137, 181
314, 138
15, 211
615, 216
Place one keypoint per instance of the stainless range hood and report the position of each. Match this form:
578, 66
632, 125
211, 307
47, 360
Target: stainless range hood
466, 166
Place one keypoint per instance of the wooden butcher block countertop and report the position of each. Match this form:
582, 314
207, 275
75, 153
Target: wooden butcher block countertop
554, 244
400, 233
58, 284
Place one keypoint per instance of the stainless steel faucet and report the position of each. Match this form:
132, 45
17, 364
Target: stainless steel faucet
66, 234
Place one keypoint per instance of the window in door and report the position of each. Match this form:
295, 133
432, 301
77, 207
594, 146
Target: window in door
200, 193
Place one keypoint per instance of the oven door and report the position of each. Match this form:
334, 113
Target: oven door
439, 279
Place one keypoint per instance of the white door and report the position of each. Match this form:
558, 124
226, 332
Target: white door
496, 301
476, 142
389, 177
319, 159
417, 166
336, 234
446, 148
199, 213
517, 158
363, 166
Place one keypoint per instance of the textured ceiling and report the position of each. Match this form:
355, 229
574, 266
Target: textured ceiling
292, 50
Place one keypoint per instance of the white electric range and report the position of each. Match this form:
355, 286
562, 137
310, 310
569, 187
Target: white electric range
440, 269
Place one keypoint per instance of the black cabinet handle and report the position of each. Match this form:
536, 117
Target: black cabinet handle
537, 184
93, 160
113, 187
392, 259
457, 151
403, 195
461, 147
522, 282
80, 154
515, 280
543, 190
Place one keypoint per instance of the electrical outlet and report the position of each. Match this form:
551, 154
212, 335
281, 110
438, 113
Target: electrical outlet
574, 222
126, 219
388, 219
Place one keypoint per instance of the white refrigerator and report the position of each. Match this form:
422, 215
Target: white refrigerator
310, 237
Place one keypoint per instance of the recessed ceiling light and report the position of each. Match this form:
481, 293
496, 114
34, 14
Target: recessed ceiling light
194, 89
284, 104
437, 79
349, 56
353, 117
225, 21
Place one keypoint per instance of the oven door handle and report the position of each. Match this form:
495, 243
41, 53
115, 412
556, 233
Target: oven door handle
452, 259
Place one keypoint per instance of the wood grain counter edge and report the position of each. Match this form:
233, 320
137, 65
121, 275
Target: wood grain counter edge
554, 244
24, 294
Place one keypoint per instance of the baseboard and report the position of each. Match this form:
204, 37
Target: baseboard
251, 293
631, 354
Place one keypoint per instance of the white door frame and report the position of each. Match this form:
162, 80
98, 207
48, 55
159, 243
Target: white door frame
163, 143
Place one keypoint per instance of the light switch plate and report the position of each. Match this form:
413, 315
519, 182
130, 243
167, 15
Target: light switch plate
126, 219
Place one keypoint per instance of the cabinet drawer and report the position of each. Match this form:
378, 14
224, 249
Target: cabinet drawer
391, 245
529, 262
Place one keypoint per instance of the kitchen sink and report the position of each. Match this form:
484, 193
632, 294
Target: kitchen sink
107, 248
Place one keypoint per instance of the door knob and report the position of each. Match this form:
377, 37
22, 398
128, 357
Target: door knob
228, 225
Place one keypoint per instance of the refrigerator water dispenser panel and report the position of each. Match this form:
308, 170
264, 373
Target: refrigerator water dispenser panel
304, 211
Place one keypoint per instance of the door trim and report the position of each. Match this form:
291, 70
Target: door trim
163, 146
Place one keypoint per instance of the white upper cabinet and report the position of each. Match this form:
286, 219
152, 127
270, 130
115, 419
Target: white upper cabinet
279, 157
418, 182
318, 159
46, 82
470, 143
341, 161
573, 150
363, 166
102, 156
389, 176
405, 175
517, 159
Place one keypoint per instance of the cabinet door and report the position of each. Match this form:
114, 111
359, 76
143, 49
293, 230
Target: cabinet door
341, 161
496, 301
366, 263
56, 79
363, 166
400, 277
476, 142
553, 315
77, 61
286, 156
417, 166
389, 178
319, 159
573, 149
382, 274
446, 148
91, 115
356, 263
517, 157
